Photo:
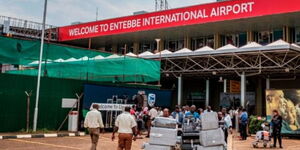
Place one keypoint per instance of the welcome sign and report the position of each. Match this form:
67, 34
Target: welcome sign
198, 14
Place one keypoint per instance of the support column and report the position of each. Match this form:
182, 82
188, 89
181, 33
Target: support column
207, 93
217, 41
179, 98
114, 48
187, 42
90, 43
225, 85
243, 89
250, 36
161, 45
259, 97
136, 47
286, 34
268, 83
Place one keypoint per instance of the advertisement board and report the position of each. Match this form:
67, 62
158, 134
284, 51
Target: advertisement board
287, 102
198, 14
102, 93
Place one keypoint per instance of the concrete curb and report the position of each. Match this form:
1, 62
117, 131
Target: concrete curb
27, 136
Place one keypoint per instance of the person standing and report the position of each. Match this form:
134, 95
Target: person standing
227, 123
208, 109
125, 125
200, 112
193, 113
152, 114
93, 122
166, 113
178, 115
276, 123
133, 110
244, 123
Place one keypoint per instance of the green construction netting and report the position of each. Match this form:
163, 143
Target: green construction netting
17, 51
122, 69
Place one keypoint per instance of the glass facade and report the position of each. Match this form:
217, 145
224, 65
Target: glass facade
266, 37
147, 46
202, 41
174, 45
297, 35
237, 39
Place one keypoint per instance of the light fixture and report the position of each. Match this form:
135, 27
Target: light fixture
287, 69
221, 79
214, 73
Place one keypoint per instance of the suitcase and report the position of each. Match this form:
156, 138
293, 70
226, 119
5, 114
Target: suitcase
164, 122
156, 147
212, 137
198, 147
163, 136
209, 121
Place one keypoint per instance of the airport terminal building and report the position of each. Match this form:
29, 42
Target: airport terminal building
220, 54
225, 53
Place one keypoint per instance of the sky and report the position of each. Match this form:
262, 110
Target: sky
64, 12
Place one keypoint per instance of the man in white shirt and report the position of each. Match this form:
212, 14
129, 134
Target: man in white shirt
227, 123
93, 121
208, 109
126, 127
152, 114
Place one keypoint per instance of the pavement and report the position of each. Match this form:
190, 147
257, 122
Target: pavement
105, 143
237, 144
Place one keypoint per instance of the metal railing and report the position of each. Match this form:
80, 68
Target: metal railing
25, 28
15, 22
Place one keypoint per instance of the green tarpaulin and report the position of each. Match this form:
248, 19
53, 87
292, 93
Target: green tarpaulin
119, 69
123, 69
17, 51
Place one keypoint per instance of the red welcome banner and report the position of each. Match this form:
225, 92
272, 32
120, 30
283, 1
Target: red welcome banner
198, 14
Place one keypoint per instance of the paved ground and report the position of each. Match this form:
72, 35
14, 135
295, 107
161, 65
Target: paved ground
288, 144
105, 143
63, 143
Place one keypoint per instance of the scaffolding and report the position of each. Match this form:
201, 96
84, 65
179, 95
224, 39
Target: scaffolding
161, 5
25, 28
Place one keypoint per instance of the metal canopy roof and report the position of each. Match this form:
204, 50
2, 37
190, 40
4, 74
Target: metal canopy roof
278, 57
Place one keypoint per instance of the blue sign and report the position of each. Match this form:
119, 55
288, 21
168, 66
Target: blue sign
151, 99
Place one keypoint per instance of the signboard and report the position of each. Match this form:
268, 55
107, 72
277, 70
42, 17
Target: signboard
151, 99
234, 86
287, 102
111, 107
199, 14
69, 103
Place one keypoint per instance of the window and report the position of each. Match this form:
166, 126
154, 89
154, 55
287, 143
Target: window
174, 45
234, 39
147, 46
297, 35
121, 48
263, 37
202, 41
278, 34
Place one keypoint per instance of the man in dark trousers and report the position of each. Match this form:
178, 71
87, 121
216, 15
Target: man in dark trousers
276, 123
244, 124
